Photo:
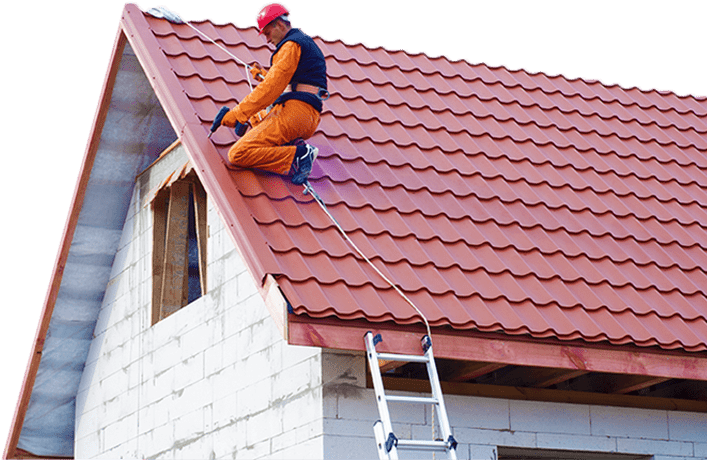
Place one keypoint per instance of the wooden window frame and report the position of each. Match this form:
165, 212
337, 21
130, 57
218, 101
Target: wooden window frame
170, 259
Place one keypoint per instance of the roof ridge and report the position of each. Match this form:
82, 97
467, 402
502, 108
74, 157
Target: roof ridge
626, 89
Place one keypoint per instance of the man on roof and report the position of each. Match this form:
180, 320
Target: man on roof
294, 86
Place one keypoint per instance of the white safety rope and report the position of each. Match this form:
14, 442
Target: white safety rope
308, 189
174, 18
164, 13
246, 66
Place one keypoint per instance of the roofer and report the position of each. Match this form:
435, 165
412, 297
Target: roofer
295, 86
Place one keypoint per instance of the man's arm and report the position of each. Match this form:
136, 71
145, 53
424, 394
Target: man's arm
276, 80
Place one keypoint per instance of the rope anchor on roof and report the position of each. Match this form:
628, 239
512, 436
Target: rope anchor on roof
163, 13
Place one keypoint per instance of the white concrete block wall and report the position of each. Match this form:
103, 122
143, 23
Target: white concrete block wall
481, 425
214, 380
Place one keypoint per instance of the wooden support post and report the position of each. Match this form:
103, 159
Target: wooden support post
175, 272
201, 230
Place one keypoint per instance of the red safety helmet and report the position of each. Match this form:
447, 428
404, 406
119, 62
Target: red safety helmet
269, 14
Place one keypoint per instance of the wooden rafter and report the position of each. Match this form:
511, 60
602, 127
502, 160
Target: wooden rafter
470, 371
629, 384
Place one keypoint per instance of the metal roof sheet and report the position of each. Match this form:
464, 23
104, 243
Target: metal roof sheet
498, 200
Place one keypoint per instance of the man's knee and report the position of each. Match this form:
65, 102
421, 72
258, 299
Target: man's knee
236, 153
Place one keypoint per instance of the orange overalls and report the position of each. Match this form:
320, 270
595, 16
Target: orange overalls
262, 147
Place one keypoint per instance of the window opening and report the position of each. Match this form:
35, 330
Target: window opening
179, 246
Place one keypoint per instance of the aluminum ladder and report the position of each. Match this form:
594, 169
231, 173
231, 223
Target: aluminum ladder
388, 444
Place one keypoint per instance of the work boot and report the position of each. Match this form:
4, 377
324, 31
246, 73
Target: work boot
302, 164
297, 141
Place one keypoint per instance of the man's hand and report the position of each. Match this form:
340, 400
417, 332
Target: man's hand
229, 119
240, 129
257, 71
219, 117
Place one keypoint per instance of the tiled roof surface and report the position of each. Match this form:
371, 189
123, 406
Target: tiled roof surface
497, 200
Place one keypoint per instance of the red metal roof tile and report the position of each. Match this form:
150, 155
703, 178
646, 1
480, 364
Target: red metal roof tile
497, 200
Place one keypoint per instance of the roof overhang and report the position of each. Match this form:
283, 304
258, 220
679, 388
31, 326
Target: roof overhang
496, 348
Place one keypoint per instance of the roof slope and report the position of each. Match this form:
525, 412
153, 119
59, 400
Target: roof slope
498, 200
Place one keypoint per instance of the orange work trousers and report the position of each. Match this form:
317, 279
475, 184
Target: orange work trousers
262, 147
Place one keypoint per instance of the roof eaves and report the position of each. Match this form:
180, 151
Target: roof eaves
465, 346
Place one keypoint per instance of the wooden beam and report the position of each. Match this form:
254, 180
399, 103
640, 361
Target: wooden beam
387, 366
159, 231
174, 269
628, 384
470, 371
22, 454
200, 212
276, 303
562, 376
541, 394
470, 346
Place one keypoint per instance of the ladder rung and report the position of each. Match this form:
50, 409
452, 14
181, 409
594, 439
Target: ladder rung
422, 445
404, 358
411, 399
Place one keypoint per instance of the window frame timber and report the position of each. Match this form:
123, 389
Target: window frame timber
170, 259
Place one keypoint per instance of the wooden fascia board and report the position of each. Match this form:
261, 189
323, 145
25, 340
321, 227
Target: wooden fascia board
67, 238
348, 335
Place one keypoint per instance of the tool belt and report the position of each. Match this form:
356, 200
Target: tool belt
321, 93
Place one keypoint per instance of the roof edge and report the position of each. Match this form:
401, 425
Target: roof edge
459, 345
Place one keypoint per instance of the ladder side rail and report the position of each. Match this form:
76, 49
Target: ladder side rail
379, 433
379, 389
440, 407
